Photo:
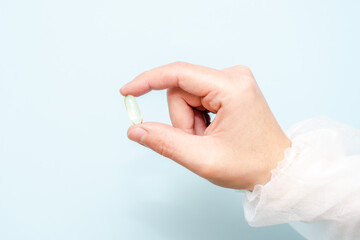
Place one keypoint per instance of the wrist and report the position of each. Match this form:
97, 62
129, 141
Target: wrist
269, 161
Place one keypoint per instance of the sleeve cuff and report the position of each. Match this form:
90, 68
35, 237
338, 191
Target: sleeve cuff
319, 173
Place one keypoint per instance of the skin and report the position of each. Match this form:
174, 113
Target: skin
238, 149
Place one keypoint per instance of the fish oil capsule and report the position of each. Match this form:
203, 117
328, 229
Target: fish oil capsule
133, 109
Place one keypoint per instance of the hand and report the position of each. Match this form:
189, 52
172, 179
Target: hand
242, 144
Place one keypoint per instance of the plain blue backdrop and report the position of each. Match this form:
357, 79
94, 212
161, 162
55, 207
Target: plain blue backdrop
67, 169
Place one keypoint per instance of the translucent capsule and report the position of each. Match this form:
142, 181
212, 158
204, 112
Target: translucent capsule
133, 109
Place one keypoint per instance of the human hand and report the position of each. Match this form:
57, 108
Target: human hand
242, 144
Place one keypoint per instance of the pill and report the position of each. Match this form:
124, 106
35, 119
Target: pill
133, 109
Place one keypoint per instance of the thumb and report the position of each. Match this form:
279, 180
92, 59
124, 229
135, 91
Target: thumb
184, 148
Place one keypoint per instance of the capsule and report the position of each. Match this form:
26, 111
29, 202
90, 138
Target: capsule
133, 110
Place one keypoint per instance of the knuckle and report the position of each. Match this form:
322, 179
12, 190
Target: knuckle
241, 69
249, 85
164, 147
244, 68
179, 64
239, 72
243, 78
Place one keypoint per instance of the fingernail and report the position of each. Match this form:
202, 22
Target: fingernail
137, 134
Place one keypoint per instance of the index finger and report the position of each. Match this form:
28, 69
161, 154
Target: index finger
195, 79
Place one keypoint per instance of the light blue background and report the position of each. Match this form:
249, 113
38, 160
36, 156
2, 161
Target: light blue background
67, 169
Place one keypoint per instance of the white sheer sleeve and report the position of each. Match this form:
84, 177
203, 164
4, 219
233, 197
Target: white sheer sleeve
316, 188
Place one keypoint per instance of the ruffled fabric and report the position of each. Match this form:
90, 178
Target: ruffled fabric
316, 187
